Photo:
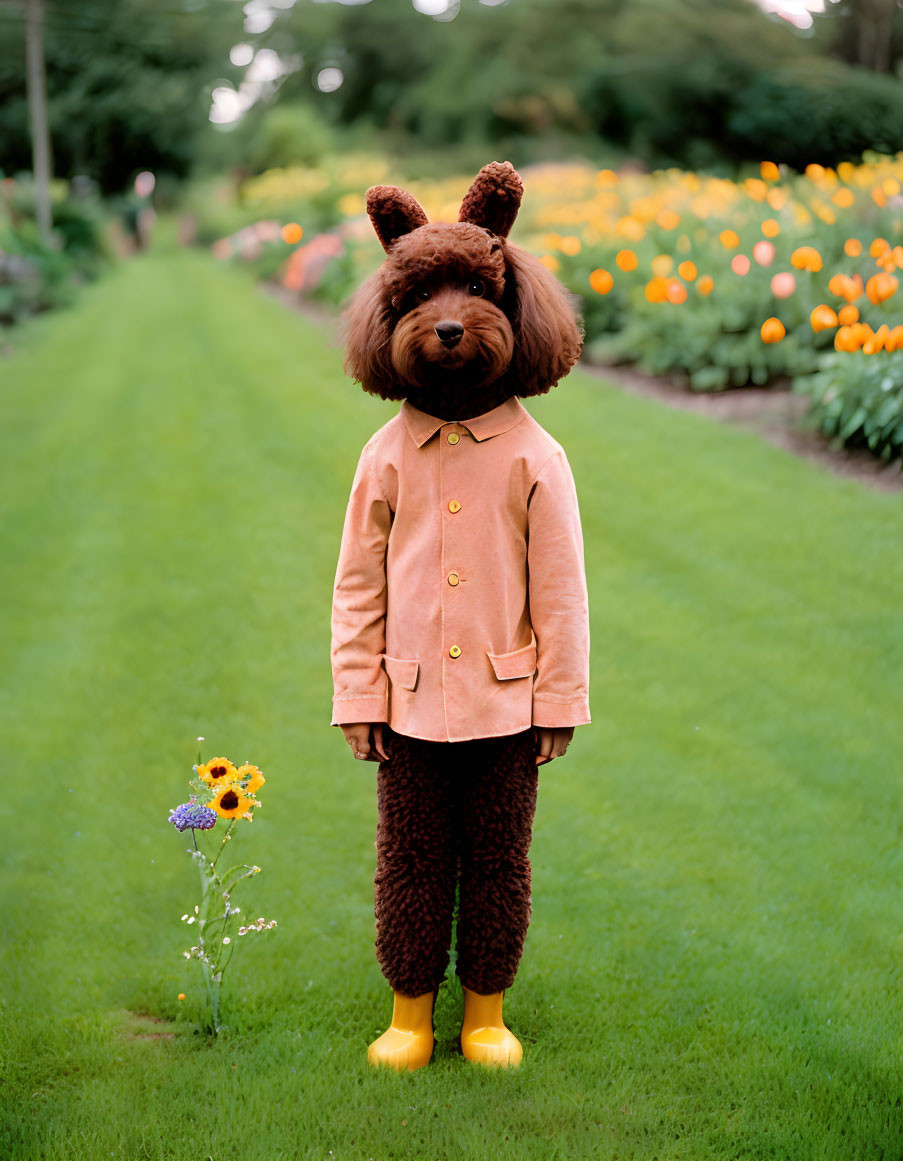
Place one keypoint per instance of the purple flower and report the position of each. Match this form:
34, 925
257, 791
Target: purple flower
190, 814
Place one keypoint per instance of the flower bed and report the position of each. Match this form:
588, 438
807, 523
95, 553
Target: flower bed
721, 282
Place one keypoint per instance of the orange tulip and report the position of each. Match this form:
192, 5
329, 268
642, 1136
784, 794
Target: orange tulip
601, 281
875, 342
676, 291
769, 171
843, 286
823, 318
838, 283
705, 285
730, 239
770, 228
894, 341
881, 287
292, 233
852, 247
687, 271
878, 247
626, 260
668, 220
847, 315
852, 338
844, 198
806, 258
772, 330
657, 289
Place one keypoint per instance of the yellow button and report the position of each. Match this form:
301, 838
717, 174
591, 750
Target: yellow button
454, 506
453, 437
455, 651
453, 579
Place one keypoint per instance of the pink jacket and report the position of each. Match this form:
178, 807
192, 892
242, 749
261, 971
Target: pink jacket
460, 604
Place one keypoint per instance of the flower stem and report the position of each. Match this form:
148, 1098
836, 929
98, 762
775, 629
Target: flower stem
226, 838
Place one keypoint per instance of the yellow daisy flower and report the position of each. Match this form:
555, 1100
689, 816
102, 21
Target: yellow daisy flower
254, 776
231, 801
217, 771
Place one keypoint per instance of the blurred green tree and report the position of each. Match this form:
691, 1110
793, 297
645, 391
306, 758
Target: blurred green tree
868, 33
128, 83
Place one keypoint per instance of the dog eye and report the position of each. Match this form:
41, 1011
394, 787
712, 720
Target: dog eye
422, 293
476, 288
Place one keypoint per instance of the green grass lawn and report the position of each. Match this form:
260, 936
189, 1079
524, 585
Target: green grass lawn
714, 964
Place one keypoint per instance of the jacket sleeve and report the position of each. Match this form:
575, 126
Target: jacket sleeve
359, 603
558, 599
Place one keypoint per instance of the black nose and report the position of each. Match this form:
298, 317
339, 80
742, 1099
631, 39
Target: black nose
449, 332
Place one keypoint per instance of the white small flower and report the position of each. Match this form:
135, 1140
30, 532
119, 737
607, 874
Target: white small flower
187, 954
201, 739
242, 930
236, 911
185, 916
197, 910
191, 920
261, 920
227, 940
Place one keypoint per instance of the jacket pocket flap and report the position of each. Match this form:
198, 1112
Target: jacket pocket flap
402, 673
520, 663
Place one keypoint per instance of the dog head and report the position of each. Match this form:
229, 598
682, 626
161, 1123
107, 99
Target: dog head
457, 320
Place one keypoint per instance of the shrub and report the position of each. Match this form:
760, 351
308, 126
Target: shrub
858, 400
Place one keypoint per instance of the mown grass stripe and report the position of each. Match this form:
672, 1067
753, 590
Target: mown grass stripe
712, 969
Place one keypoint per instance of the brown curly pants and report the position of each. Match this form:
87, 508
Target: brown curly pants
454, 813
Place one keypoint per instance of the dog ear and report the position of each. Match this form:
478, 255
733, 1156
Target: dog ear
494, 198
393, 212
367, 324
548, 333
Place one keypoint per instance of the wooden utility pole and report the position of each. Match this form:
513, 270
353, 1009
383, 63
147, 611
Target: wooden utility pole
36, 87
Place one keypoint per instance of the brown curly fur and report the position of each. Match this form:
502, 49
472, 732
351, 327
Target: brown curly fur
521, 333
454, 812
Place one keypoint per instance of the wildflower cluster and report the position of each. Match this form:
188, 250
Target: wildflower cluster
260, 924
192, 815
220, 791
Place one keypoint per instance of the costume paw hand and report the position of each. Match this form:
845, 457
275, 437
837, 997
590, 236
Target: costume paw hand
552, 743
366, 741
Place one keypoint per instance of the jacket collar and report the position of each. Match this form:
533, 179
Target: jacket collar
423, 427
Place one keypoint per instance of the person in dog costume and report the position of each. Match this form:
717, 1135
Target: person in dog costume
460, 638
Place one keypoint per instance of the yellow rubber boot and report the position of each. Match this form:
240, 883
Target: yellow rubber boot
408, 1043
484, 1037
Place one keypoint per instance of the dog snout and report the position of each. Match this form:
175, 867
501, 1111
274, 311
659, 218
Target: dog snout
449, 332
